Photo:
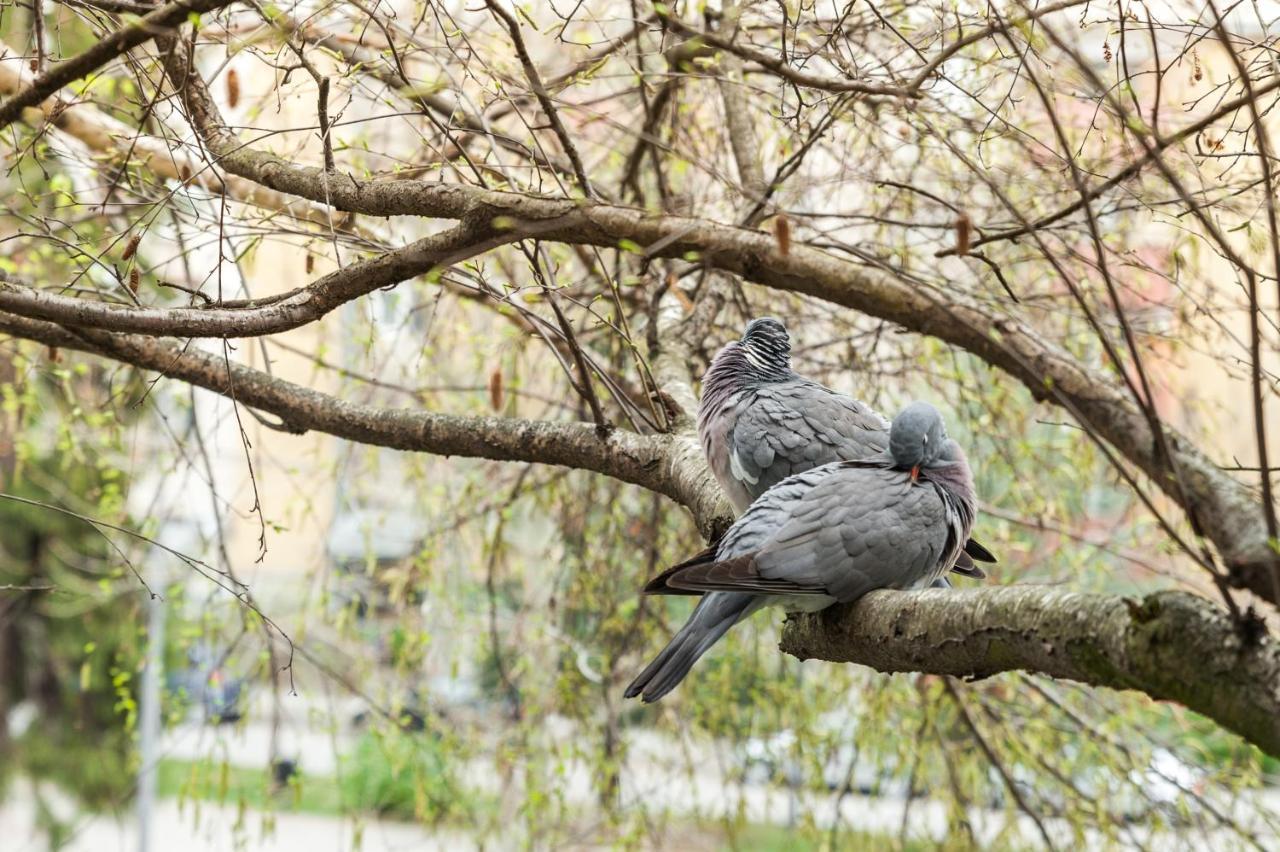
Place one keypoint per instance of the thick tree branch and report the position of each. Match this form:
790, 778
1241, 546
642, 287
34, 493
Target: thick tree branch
671, 465
1169, 645
1227, 509
741, 131
256, 317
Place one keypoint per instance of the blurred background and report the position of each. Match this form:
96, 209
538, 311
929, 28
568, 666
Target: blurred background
215, 634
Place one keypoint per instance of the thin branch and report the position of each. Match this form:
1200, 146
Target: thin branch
1159, 145
994, 761
999, 26
121, 41
256, 317
671, 465
782, 69
544, 98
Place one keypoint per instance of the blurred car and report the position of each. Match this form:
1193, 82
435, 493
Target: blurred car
206, 682
840, 767
1167, 787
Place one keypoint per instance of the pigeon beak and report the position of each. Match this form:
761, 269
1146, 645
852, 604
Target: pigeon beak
915, 473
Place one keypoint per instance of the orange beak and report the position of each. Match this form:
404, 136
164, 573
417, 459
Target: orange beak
915, 473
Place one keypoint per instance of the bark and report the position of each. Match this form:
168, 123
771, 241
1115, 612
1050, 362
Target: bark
1169, 645
1226, 509
1228, 512
671, 465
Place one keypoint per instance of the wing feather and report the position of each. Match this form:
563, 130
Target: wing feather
789, 427
840, 530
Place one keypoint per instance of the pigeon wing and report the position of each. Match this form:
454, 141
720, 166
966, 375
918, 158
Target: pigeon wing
862, 529
859, 528
790, 427
659, 585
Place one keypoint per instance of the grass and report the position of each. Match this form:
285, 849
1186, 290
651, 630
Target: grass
402, 777
219, 782
777, 838
324, 795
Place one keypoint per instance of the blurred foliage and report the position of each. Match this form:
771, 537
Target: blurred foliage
403, 775
72, 643
220, 782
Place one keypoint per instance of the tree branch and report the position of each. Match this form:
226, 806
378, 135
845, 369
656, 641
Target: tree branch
805, 79
116, 44
1226, 508
104, 134
544, 99
256, 317
1159, 145
1169, 645
391, 73
671, 465
779, 66
1000, 26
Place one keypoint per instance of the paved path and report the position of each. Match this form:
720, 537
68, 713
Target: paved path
206, 827
657, 778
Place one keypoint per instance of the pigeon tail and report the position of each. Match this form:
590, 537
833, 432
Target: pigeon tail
711, 619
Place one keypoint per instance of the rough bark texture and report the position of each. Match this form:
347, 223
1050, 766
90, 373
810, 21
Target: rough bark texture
1169, 645
671, 465
1224, 508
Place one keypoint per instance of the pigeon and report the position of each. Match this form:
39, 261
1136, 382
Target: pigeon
760, 422
830, 534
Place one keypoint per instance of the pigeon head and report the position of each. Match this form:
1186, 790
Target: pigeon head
767, 346
918, 438
761, 357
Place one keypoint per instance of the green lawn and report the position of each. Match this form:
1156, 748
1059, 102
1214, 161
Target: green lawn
252, 788
210, 781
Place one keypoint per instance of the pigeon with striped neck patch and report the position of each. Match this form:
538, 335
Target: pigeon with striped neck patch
830, 534
760, 422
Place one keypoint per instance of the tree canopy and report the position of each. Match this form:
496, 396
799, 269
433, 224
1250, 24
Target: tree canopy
516, 234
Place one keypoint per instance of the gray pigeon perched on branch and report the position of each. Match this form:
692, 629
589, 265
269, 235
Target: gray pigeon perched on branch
830, 534
760, 422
